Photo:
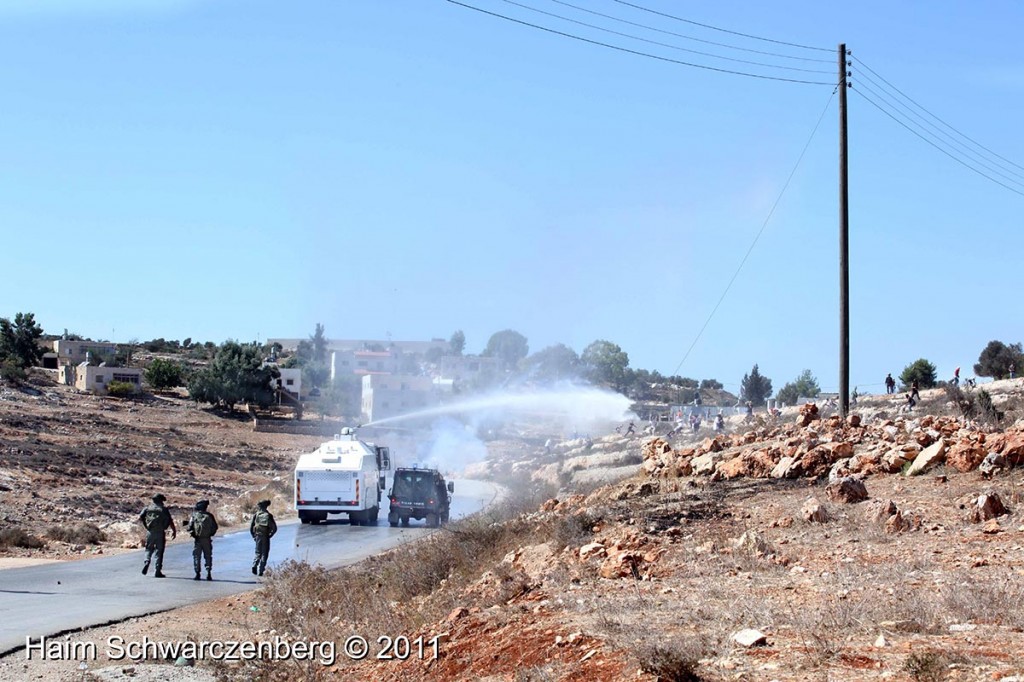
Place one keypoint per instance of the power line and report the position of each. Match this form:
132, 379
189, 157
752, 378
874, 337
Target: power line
969, 139
759, 232
961, 146
688, 37
723, 30
972, 154
636, 52
960, 161
660, 44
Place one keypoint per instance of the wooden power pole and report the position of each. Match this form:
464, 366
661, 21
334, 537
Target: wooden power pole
844, 247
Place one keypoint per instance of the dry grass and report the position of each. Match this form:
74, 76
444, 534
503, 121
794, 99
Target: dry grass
17, 537
79, 533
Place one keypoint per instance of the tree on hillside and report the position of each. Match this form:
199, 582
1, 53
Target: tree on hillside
553, 363
921, 371
996, 359
19, 341
311, 357
457, 344
712, 384
755, 388
236, 375
508, 346
804, 386
604, 362
318, 342
163, 374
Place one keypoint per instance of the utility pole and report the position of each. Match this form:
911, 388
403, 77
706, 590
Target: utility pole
844, 247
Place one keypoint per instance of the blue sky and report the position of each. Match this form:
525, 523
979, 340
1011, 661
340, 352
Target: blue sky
247, 169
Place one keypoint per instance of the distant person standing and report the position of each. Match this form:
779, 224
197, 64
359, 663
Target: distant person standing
156, 519
956, 377
915, 394
1013, 369
890, 384
202, 526
262, 528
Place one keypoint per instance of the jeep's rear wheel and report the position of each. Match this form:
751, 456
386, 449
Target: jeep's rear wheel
433, 521
405, 521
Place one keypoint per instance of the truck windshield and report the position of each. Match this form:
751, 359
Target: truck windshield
414, 485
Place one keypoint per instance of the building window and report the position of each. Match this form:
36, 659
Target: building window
99, 379
127, 378
289, 382
362, 363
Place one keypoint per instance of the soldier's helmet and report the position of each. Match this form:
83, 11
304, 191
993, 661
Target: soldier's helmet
159, 497
201, 505
263, 504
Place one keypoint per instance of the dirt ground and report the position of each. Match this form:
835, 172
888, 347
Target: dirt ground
68, 457
650, 577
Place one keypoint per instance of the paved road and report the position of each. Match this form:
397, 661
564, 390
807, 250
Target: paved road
53, 598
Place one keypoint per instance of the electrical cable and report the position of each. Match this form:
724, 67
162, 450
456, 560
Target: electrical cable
961, 162
861, 62
637, 52
660, 44
688, 37
723, 30
980, 161
979, 157
759, 232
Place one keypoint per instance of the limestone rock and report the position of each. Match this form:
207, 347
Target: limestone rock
988, 506
929, 457
814, 512
750, 637
847, 490
992, 464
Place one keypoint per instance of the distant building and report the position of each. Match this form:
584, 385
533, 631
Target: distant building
463, 368
96, 379
363, 362
390, 395
69, 352
401, 347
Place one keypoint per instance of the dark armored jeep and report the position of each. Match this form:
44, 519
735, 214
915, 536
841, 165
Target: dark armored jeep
420, 494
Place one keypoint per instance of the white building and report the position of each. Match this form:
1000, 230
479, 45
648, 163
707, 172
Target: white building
390, 395
97, 379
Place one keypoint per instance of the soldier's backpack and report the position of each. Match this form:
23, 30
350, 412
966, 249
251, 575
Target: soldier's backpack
153, 518
202, 525
261, 521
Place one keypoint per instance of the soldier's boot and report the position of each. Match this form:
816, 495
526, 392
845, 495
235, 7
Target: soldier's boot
145, 568
208, 576
197, 576
158, 574
254, 569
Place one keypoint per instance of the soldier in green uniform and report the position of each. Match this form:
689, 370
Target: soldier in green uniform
202, 526
156, 519
262, 528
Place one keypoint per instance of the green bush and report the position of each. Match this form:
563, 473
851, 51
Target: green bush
120, 389
11, 371
162, 374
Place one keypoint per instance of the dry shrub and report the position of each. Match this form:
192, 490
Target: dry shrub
673, 661
968, 599
927, 666
17, 537
79, 533
573, 530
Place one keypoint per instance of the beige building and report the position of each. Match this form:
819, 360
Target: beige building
76, 352
97, 379
390, 395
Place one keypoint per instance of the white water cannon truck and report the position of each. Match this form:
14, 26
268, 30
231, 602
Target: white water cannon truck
343, 476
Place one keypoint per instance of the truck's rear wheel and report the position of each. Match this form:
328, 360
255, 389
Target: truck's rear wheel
405, 521
433, 521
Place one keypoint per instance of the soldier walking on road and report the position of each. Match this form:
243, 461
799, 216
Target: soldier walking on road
262, 528
156, 519
202, 526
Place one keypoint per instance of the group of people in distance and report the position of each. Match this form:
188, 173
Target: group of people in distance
202, 526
